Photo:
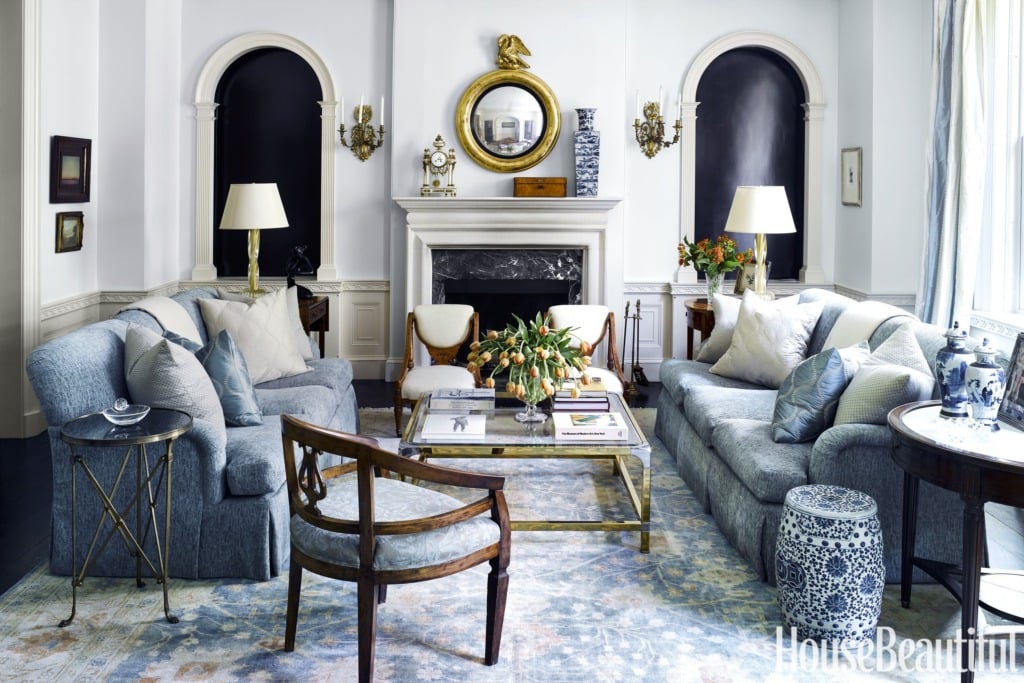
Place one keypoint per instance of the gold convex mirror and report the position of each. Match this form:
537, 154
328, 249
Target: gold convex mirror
508, 120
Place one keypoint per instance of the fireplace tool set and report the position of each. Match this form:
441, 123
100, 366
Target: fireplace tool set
637, 376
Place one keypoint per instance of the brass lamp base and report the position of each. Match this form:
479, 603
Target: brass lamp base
254, 265
761, 266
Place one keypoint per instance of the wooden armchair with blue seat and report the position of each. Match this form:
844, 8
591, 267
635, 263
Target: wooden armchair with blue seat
593, 324
350, 523
442, 329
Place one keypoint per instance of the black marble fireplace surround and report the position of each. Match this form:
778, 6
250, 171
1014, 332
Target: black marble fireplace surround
500, 282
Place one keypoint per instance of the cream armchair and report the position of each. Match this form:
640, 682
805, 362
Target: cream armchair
593, 324
442, 329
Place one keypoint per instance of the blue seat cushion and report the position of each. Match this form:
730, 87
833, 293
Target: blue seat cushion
768, 469
706, 406
393, 500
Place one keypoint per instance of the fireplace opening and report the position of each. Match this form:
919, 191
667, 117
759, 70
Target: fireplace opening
497, 300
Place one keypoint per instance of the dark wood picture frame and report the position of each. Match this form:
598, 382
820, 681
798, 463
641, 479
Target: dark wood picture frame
70, 226
70, 161
1011, 410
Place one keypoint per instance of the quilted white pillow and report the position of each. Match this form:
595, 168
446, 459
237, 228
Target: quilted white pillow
263, 332
162, 374
301, 338
726, 309
769, 341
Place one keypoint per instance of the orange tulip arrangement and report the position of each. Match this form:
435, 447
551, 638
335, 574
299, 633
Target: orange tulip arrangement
537, 358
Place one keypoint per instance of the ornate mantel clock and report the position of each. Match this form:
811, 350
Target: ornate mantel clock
437, 163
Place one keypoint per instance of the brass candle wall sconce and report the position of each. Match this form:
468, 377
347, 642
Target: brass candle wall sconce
650, 133
363, 139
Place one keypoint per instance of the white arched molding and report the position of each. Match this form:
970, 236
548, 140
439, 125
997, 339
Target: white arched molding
814, 108
206, 89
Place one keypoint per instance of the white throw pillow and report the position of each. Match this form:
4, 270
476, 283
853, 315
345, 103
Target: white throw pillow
301, 337
162, 374
726, 309
770, 340
263, 332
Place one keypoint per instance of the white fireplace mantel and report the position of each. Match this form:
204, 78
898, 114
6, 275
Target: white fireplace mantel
506, 222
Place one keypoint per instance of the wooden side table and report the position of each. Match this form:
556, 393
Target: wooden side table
315, 316
980, 467
699, 316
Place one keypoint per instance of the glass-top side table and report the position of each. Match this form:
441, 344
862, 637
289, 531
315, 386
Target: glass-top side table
94, 431
981, 466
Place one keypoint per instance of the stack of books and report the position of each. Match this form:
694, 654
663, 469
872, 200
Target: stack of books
590, 426
592, 397
453, 427
462, 400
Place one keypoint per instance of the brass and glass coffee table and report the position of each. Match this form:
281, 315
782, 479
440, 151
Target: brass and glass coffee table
506, 438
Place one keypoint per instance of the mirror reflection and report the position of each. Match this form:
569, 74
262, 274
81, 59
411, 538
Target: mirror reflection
508, 120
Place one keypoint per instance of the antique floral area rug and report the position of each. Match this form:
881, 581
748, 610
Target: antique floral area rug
581, 607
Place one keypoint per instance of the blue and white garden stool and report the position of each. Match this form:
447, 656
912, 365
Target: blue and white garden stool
828, 563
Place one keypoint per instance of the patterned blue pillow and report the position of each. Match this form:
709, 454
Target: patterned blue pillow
224, 363
808, 398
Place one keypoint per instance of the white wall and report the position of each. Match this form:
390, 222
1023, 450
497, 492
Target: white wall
69, 106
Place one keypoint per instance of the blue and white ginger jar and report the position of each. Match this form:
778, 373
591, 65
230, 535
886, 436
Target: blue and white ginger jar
986, 381
951, 364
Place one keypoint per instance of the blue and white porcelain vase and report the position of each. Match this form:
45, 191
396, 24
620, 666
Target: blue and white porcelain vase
587, 146
950, 368
986, 381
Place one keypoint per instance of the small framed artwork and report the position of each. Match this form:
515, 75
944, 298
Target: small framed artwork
70, 159
850, 171
70, 225
745, 276
1012, 408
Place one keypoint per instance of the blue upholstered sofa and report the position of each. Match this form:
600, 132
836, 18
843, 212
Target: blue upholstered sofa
229, 505
720, 432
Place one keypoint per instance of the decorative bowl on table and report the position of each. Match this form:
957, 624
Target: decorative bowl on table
124, 413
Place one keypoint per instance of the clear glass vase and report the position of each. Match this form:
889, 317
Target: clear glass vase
531, 414
714, 284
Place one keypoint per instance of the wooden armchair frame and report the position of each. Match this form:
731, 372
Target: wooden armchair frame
307, 486
439, 355
612, 363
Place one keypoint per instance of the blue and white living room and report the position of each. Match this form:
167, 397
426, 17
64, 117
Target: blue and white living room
592, 340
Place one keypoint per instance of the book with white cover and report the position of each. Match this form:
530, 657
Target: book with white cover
462, 399
453, 427
590, 426
595, 389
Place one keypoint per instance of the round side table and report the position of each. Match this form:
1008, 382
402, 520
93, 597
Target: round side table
981, 466
829, 564
700, 317
90, 432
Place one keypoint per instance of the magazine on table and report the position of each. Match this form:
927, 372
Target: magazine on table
462, 399
581, 426
453, 427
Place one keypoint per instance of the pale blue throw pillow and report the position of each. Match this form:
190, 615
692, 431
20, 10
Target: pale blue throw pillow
225, 364
809, 396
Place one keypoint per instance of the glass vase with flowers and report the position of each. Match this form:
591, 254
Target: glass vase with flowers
714, 258
536, 358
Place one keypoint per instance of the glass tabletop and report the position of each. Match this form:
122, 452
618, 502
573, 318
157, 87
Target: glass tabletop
95, 430
502, 431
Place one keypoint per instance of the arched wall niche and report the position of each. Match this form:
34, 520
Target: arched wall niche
206, 111
811, 272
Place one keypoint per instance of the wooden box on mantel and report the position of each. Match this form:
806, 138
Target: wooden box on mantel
538, 187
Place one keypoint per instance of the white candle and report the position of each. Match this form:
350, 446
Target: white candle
679, 106
637, 104
382, 110
660, 103
343, 110
359, 117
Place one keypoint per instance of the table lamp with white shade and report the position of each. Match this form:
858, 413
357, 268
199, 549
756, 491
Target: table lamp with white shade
762, 210
253, 207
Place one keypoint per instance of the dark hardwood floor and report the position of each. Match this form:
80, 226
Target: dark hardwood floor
26, 494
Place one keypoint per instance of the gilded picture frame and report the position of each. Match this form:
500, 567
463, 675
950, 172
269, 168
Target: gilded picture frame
70, 226
1011, 410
